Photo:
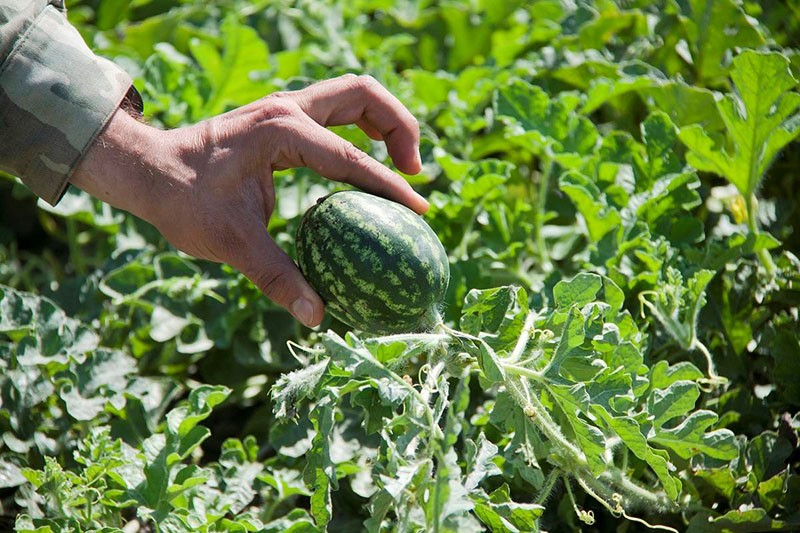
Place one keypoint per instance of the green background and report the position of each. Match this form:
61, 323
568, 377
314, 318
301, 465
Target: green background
559, 138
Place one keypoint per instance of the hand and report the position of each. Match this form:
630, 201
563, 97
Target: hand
208, 188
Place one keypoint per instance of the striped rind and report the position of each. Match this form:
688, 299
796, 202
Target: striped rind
377, 265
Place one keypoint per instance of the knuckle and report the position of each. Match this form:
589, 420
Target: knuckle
367, 84
278, 106
272, 280
354, 154
363, 84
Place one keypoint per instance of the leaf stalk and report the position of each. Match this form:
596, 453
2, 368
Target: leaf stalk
752, 223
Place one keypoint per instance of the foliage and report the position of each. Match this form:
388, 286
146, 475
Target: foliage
614, 182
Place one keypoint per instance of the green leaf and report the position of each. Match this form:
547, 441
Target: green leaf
659, 137
231, 71
631, 434
590, 440
772, 491
599, 217
25, 524
760, 120
676, 400
496, 315
541, 123
572, 338
603, 90
741, 521
52, 336
501, 514
767, 454
678, 302
690, 438
685, 104
609, 23
164, 325
490, 363
81, 408
784, 350
469, 37
127, 279
295, 521
480, 461
320, 471
186, 478
395, 486
662, 374
296, 386
721, 479
200, 403
388, 349
447, 501
100, 380
709, 46
10, 475
478, 188
579, 291
429, 88
612, 388
669, 198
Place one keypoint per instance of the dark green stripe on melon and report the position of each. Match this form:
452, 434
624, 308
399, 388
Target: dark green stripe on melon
377, 265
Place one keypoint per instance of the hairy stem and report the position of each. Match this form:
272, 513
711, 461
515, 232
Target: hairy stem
637, 493
523, 339
538, 414
575, 463
518, 370
549, 484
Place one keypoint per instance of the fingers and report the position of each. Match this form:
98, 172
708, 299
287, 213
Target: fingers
329, 155
278, 278
346, 100
370, 130
363, 101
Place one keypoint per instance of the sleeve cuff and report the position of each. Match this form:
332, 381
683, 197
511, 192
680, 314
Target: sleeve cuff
56, 96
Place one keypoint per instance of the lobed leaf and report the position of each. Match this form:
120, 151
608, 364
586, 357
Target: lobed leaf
761, 119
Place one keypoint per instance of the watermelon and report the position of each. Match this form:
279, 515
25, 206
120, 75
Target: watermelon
377, 265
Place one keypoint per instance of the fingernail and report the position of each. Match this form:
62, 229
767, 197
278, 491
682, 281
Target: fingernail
303, 311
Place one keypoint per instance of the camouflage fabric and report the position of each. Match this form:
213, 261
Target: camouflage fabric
55, 95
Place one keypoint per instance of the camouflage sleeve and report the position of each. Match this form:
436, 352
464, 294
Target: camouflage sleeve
55, 95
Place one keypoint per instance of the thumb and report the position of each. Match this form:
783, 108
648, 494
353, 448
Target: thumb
280, 280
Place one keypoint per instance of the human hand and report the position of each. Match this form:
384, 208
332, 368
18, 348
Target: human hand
208, 188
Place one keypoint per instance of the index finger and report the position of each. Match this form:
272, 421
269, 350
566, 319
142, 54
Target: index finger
361, 100
329, 155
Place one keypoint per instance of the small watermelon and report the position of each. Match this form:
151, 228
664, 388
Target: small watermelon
377, 265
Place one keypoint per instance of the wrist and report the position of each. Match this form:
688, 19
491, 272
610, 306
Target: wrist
123, 167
